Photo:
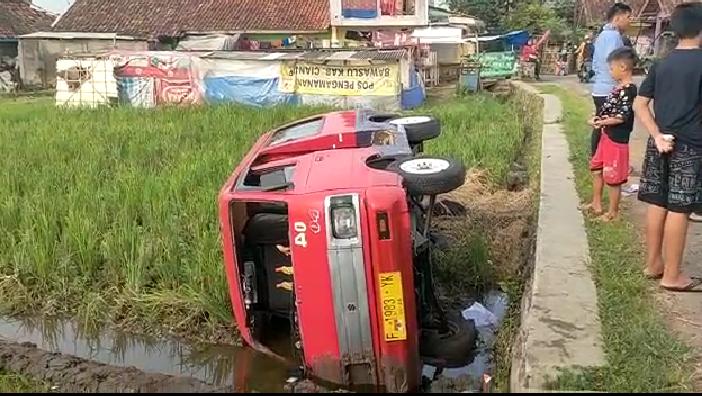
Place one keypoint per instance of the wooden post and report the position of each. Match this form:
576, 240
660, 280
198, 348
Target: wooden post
656, 36
337, 36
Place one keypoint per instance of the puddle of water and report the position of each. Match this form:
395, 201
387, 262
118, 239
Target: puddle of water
243, 368
469, 378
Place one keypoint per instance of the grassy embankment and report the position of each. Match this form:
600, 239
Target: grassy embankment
642, 354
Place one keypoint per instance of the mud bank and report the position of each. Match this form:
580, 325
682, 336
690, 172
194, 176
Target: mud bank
214, 365
71, 374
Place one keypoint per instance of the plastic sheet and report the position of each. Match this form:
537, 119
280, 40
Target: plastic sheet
136, 91
250, 91
359, 8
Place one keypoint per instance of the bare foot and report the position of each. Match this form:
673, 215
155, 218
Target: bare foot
682, 284
590, 209
656, 270
608, 217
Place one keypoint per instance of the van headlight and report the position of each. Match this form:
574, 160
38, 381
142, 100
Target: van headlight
344, 219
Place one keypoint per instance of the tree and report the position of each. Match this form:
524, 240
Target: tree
535, 17
565, 9
488, 11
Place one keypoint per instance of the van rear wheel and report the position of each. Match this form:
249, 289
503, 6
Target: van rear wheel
450, 347
419, 128
430, 175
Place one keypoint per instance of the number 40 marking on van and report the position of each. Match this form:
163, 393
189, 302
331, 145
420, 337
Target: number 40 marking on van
300, 234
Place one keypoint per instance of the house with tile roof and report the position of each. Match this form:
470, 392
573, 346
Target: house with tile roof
153, 19
174, 19
18, 17
95, 25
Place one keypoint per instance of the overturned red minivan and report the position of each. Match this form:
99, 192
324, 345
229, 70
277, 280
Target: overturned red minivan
328, 246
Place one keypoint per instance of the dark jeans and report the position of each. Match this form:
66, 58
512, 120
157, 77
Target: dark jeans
595, 138
537, 68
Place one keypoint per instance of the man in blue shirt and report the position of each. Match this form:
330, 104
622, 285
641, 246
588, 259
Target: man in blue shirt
619, 18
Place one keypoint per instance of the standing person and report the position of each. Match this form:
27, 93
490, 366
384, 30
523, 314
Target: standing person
608, 40
671, 183
530, 53
610, 164
584, 59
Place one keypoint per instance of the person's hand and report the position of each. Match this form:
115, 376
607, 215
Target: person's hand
594, 121
663, 144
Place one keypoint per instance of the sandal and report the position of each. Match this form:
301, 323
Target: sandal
692, 287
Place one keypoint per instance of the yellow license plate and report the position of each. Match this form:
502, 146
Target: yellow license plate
393, 306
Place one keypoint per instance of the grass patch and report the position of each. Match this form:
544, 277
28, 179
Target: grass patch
109, 215
11, 383
642, 355
480, 130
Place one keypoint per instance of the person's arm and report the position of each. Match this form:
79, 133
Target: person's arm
610, 121
642, 111
542, 39
581, 49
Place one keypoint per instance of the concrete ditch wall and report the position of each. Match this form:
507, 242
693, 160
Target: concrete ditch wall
560, 326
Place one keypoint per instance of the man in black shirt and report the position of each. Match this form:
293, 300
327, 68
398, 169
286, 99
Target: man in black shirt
671, 181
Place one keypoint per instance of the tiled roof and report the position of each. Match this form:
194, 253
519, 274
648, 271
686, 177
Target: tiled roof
19, 17
158, 17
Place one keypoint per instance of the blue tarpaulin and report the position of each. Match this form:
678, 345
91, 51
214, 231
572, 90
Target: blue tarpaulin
414, 95
250, 91
516, 38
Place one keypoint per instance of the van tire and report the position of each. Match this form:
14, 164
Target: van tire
419, 129
449, 349
430, 175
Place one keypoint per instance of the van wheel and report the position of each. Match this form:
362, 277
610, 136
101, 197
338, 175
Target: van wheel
451, 348
430, 175
419, 128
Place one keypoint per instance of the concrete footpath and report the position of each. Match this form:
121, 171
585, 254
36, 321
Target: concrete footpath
560, 326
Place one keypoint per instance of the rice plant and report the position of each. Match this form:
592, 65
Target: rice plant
109, 215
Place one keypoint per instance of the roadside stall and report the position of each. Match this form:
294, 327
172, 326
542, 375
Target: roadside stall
498, 54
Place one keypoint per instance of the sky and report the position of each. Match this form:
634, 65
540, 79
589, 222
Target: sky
57, 6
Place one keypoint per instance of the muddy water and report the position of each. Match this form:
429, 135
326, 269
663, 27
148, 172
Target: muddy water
241, 368
469, 378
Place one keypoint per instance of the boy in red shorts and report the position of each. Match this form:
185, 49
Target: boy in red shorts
610, 164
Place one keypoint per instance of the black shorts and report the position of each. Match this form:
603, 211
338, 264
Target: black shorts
672, 180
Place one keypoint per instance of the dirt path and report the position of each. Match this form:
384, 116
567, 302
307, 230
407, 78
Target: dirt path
682, 310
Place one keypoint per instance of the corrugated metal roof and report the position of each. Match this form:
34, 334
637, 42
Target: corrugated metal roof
77, 35
318, 55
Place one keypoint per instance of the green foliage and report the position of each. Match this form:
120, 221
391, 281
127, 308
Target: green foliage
534, 17
489, 11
